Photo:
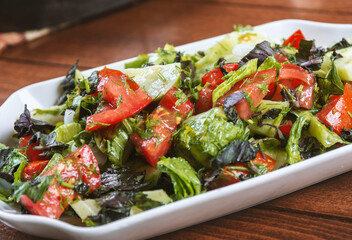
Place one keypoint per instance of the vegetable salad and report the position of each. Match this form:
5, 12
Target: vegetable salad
173, 125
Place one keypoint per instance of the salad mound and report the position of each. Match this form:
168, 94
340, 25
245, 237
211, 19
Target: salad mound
173, 125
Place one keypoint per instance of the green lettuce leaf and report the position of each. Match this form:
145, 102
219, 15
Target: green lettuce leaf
66, 132
292, 147
203, 136
272, 148
115, 143
267, 125
34, 189
166, 55
139, 62
233, 77
184, 178
326, 137
269, 62
316, 129
12, 162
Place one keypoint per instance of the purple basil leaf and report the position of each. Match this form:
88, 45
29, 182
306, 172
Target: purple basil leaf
23, 126
261, 51
229, 105
235, 152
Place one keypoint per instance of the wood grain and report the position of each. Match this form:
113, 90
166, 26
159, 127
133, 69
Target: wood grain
322, 211
149, 25
18, 74
256, 223
321, 6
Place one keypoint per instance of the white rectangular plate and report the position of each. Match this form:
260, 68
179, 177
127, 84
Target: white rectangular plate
195, 209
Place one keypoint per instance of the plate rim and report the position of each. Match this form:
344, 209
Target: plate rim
204, 197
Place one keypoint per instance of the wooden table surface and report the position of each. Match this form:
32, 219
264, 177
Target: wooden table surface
322, 211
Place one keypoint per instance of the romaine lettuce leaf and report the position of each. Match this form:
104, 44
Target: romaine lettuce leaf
224, 48
267, 125
139, 62
66, 132
272, 148
115, 141
270, 62
292, 147
318, 130
326, 137
234, 77
184, 178
166, 55
12, 162
203, 136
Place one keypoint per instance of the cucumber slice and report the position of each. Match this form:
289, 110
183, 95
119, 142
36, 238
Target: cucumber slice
155, 195
134, 210
343, 65
159, 196
50, 115
156, 80
86, 208
224, 48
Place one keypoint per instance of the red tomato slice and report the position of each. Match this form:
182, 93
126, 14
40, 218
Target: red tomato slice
285, 128
267, 161
336, 113
167, 115
215, 76
280, 58
51, 205
80, 166
295, 72
231, 67
291, 76
294, 39
154, 147
33, 169
254, 86
126, 98
32, 155
205, 101
171, 102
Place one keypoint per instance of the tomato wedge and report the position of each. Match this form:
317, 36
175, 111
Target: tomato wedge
50, 206
171, 102
215, 76
257, 86
32, 154
280, 58
265, 160
230, 67
80, 166
161, 123
33, 169
294, 39
285, 127
124, 96
337, 112
291, 76
205, 102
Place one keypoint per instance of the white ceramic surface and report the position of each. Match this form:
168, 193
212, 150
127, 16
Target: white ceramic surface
196, 209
